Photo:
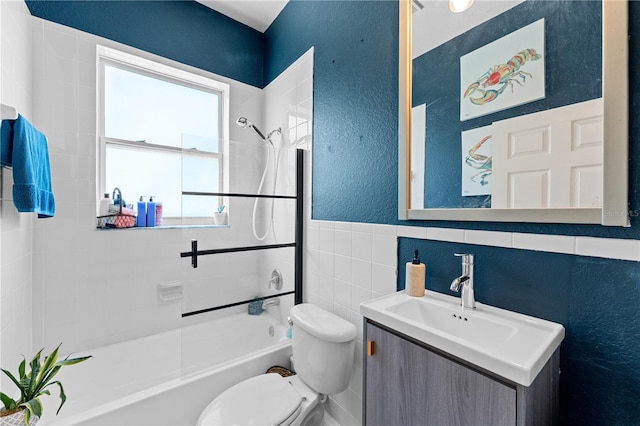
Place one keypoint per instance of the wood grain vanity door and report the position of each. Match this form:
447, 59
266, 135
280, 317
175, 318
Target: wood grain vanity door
407, 384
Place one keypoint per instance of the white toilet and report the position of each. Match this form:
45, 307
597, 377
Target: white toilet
323, 348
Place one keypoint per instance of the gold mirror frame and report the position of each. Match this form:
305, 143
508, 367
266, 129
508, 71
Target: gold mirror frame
615, 94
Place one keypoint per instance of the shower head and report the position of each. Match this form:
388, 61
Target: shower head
277, 131
244, 123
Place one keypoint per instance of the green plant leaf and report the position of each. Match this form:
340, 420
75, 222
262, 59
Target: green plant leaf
33, 382
9, 403
14, 380
48, 363
33, 408
24, 381
22, 367
63, 397
36, 360
72, 361
45, 381
49, 376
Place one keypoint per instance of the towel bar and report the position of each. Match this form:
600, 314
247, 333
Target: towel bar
2, 186
6, 113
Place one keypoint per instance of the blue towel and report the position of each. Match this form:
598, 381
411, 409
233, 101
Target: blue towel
6, 142
25, 149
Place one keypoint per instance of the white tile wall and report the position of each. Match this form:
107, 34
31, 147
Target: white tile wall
93, 288
445, 234
541, 242
488, 238
359, 265
607, 247
16, 247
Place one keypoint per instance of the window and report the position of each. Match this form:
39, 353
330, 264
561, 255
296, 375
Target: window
162, 131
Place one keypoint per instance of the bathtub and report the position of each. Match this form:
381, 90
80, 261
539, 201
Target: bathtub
168, 378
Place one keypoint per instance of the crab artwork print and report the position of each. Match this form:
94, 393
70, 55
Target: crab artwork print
504, 73
476, 161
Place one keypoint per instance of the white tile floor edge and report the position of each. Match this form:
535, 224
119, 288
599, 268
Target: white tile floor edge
336, 415
329, 421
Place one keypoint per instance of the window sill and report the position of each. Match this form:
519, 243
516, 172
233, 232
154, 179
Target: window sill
139, 228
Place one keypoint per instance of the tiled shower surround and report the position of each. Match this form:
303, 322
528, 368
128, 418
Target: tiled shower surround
90, 288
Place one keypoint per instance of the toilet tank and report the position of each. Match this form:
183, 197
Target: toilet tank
323, 348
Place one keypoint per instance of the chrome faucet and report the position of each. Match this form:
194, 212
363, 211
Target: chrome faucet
270, 302
467, 299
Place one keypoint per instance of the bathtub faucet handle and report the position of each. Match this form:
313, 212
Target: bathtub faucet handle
276, 279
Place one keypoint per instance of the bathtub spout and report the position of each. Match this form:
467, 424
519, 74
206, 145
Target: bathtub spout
270, 302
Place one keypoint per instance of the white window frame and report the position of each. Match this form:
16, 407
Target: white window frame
109, 56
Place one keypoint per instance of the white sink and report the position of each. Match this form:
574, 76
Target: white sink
509, 344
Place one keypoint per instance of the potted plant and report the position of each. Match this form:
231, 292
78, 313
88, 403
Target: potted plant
220, 217
27, 409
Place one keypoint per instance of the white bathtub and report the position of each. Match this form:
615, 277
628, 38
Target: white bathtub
169, 378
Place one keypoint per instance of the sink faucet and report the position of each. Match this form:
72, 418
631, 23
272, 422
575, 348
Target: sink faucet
270, 302
467, 300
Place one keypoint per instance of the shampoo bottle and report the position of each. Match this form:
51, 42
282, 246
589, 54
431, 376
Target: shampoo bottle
158, 213
141, 220
104, 205
151, 213
415, 275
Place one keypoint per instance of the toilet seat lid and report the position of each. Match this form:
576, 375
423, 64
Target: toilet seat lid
267, 399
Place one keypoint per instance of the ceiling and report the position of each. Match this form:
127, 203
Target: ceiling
434, 24
257, 14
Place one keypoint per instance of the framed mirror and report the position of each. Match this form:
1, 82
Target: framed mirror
514, 111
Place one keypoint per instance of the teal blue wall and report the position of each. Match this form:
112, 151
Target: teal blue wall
184, 31
355, 104
355, 174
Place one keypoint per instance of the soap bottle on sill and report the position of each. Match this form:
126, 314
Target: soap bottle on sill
158, 213
151, 213
103, 210
415, 276
141, 220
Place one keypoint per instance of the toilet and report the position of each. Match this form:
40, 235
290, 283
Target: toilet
323, 349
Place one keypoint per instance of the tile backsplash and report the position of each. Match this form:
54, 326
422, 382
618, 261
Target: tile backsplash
349, 263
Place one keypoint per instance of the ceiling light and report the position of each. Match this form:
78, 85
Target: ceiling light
459, 5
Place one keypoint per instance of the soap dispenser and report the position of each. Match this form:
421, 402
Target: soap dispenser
103, 210
415, 276
151, 213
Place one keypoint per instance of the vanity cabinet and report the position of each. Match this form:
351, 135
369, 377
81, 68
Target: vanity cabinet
408, 383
